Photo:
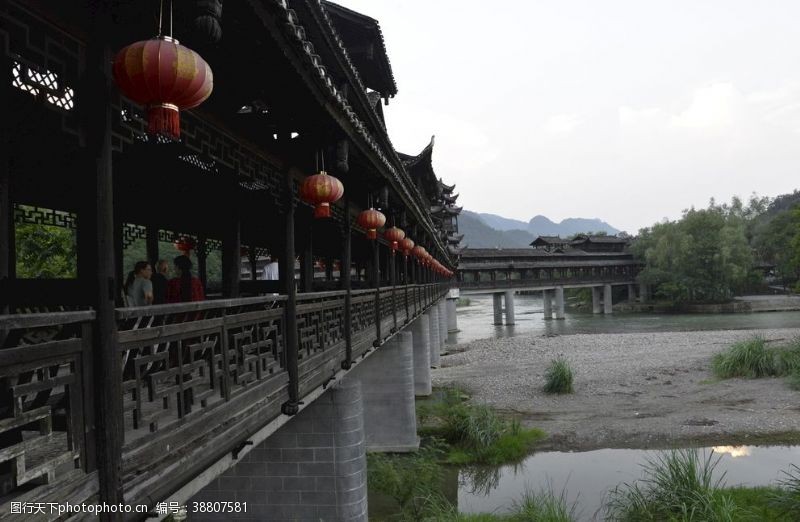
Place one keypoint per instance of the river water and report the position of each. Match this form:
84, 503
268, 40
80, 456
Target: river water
586, 477
475, 321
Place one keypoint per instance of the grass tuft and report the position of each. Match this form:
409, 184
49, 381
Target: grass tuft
787, 498
677, 485
544, 506
558, 377
476, 433
749, 358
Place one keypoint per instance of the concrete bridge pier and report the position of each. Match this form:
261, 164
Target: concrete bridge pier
559, 302
607, 303
643, 293
433, 334
312, 468
497, 305
547, 299
420, 329
596, 300
509, 298
632, 293
452, 318
443, 320
387, 386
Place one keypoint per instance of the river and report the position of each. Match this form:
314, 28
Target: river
475, 321
586, 477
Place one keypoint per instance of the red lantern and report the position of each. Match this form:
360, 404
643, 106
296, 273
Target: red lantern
166, 78
406, 245
321, 190
371, 220
185, 245
418, 252
394, 235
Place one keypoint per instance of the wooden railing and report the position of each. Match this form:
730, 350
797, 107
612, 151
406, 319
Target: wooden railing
197, 380
47, 438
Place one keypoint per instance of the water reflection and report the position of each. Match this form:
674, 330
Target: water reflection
733, 451
475, 321
586, 477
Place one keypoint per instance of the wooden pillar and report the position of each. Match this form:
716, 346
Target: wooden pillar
376, 278
307, 263
291, 406
393, 282
152, 245
202, 256
232, 258
96, 246
329, 268
251, 256
346, 285
405, 288
6, 203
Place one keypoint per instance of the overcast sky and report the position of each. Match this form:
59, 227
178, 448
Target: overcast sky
625, 110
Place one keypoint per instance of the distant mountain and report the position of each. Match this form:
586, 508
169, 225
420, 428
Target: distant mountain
501, 223
491, 230
477, 234
542, 226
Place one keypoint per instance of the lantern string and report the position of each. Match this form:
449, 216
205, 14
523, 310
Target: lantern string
160, 17
316, 160
322, 153
170, 18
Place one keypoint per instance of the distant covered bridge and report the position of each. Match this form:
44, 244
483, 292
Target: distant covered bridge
552, 265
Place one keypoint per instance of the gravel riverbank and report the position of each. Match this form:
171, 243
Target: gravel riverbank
631, 390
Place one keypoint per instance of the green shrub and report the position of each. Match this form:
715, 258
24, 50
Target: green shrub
476, 433
749, 358
410, 480
794, 380
787, 359
787, 498
558, 377
678, 485
544, 506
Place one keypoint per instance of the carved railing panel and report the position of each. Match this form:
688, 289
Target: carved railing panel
363, 320
46, 414
320, 331
191, 369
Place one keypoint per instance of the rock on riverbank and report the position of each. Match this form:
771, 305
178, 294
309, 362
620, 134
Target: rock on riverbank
631, 390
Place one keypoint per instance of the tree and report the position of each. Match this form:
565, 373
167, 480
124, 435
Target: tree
45, 252
705, 256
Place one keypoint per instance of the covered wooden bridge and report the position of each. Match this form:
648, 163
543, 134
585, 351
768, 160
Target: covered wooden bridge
552, 265
137, 405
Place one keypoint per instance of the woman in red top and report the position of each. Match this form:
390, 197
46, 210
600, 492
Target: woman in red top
185, 287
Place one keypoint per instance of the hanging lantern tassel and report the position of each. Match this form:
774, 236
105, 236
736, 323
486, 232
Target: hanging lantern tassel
321, 190
371, 220
394, 235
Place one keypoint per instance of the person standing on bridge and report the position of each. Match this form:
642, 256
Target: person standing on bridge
185, 288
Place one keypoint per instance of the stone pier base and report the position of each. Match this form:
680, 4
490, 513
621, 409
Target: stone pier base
547, 299
443, 320
559, 302
420, 329
387, 387
313, 468
433, 333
